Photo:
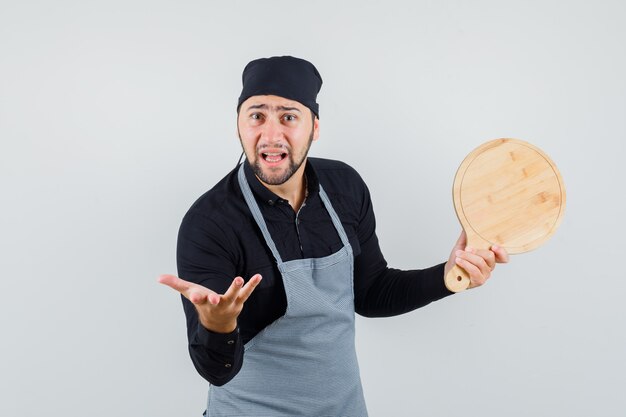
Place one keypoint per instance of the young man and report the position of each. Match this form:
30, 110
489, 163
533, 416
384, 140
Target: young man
280, 254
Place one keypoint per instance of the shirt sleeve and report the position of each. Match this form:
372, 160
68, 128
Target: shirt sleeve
380, 291
204, 257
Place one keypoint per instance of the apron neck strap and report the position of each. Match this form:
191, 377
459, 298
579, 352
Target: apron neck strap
260, 221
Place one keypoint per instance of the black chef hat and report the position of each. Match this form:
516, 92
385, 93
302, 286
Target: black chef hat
284, 76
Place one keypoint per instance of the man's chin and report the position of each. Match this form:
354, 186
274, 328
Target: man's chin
273, 176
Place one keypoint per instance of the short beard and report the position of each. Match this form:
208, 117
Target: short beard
291, 169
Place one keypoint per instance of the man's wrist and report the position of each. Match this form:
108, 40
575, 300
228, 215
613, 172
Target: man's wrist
221, 328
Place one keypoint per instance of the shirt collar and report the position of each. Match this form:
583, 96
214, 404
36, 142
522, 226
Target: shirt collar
269, 198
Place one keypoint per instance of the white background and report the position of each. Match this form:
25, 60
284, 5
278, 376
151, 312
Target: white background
116, 115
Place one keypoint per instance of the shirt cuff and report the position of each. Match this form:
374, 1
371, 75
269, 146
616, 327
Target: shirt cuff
222, 342
436, 284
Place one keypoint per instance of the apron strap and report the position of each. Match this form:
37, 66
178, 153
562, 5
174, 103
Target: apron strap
258, 217
334, 216
256, 213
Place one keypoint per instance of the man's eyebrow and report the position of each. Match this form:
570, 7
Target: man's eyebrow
264, 106
257, 106
285, 108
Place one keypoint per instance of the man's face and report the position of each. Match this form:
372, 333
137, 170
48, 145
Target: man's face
276, 134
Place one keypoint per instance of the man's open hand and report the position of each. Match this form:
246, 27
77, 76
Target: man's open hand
217, 312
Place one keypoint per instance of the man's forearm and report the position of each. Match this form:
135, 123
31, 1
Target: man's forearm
395, 292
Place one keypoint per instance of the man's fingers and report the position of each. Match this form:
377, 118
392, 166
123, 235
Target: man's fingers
174, 282
214, 298
476, 276
478, 263
231, 294
198, 294
195, 293
475, 259
487, 255
246, 291
240, 292
502, 256
197, 297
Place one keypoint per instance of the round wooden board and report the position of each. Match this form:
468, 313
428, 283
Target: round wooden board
509, 193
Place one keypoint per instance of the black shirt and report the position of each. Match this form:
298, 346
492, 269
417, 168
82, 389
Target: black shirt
219, 240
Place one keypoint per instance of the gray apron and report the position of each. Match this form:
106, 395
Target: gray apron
303, 364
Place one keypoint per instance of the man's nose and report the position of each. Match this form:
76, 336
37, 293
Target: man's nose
272, 130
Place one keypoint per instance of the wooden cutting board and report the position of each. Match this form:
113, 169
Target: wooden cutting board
509, 193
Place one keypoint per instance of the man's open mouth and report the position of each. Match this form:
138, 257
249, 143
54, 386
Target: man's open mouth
273, 157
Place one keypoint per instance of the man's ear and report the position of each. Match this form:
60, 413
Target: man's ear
316, 128
237, 134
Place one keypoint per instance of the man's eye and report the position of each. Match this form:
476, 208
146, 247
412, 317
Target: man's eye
290, 117
255, 116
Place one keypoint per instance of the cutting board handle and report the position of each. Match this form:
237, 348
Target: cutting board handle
457, 279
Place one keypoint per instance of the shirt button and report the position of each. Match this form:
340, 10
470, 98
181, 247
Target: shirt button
230, 342
270, 202
227, 365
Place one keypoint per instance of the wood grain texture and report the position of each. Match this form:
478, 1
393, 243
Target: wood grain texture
509, 193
